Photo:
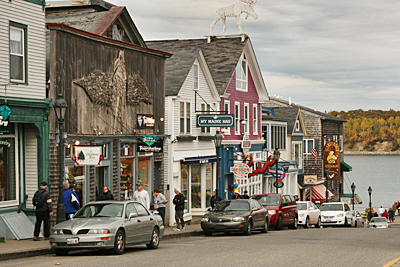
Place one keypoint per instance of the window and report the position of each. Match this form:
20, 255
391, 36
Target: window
341, 143
227, 110
8, 175
241, 75
204, 108
184, 117
18, 53
308, 145
195, 76
255, 119
297, 155
237, 118
141, 209
130, 208
246, 118
184, 184
297, 126
195, 179
127, 170
278, 137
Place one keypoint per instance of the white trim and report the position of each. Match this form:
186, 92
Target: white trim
305, 146
237, 118
246, 117
22, 30
227, 111
240, 79
255, 119
185, 118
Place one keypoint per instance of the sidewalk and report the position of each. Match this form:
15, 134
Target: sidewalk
13, 249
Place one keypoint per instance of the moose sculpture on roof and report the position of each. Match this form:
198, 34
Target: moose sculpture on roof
235, 10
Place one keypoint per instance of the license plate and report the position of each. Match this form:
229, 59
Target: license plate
72, 241
328, 220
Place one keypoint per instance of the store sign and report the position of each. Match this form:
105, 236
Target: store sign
5, 112
280, 184
145, 121
246, 144
332, 159
88, 155
310, 179
240, 170
150, 144
215, 120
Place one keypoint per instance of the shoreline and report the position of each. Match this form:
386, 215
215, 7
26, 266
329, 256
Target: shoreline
374, 153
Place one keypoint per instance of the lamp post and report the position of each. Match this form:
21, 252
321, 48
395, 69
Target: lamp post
326, 188
277, 155
60, 106
217, 142
370, 203
353, 188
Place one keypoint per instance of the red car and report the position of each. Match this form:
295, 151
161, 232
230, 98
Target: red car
282, 209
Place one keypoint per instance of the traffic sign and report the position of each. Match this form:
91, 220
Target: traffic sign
215, 120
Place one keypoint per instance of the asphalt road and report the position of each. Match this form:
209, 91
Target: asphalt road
302, 247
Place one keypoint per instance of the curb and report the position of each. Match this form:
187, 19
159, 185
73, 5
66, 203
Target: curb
184, 234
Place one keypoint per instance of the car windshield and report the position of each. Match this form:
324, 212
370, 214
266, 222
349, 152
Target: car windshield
232, 206
272, 200
302, 206
378, 219
328, 207
100, 210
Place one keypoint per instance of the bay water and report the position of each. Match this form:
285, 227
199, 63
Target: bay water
381, 172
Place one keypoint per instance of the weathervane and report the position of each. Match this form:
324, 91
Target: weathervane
235, 10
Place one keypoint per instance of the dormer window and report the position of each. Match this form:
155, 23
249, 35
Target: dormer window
116, 33
241, 75
195, 76
297, 127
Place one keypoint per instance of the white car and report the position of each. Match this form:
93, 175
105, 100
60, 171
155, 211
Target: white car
336, 213
379, 222
358, 221
309, 214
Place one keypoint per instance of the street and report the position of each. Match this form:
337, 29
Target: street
302, 247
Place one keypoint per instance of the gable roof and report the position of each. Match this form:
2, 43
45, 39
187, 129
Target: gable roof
221, 55
289, 114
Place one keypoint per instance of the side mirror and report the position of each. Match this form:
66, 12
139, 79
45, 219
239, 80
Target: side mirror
155, 212
132, 215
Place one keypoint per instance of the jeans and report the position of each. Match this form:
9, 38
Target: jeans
42, 216
179, 216
161, 210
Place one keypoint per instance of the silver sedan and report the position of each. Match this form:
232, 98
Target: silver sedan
108, 225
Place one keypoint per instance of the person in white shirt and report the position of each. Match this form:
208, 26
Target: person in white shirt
141, 196
159, 203
381, 211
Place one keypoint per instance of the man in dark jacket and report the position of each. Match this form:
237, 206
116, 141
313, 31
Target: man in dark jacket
43, 213
179, 202
213, 202
106, 194
246, 195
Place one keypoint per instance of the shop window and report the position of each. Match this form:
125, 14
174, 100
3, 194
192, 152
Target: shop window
127, 149
195, 179
209, 175
127, 170
7, 169
184, 183
144, 174
75, 176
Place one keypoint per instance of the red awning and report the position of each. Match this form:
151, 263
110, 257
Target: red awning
318, 193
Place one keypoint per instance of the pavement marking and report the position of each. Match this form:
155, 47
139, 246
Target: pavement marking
389, 264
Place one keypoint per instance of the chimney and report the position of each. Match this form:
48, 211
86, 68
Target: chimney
290, 100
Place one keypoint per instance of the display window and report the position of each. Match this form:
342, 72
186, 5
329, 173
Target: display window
209, 175
126, 175
184, 184
8, 179
195, 179
144, 174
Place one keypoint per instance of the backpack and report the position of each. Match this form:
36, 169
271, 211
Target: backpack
38, 199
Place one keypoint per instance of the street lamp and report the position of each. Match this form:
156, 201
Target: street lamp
277, 155
60, 106
353, 188
217, 142
370, 203
326, 179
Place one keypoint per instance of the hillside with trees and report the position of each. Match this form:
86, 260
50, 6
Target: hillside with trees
371, 128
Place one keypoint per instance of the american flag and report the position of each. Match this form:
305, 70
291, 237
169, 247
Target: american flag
315, 153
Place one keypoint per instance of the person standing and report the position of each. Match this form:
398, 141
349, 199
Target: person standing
370, 215
212, 200
391, 214
71, 202
236, 195
159, 203
106, 194
381, 211
43, 213
245, 195
385, 214
141, 196
179, 202
79, 193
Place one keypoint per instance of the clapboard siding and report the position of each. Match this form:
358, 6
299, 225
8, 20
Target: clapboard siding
31, 15
31, 173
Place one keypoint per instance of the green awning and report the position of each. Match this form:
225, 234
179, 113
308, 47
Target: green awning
348, 198
344, 167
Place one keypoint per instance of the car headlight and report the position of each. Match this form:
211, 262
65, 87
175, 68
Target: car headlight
238, 219
301, 214
57, 232
340, 215
204, 219
99, 231
271, 212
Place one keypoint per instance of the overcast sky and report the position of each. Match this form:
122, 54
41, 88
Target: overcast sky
328, 55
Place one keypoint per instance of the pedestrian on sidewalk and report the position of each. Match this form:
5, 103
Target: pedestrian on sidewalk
179, 202
43, 213
212, 200
370, 215
381, 211
159, 203
141, 196
246, 195
391, 214
236, 195
385, 214
71, 202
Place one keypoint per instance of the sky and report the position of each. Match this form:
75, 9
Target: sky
327, 55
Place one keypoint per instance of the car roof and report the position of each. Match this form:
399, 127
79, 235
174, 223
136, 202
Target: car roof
333, 203
303, 201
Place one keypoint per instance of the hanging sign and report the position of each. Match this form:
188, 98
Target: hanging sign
215, 120
240, 169
281, 172
145, 121
332, 159
5, 112
246, 144
150, 144
87, 155
310, 179
280, 184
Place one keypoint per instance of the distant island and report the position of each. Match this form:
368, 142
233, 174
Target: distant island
370, 132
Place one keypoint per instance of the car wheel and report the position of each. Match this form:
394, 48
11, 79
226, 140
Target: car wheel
279, 225
318, 225
294, 225
119, 243
346, 224
61, 252
307, 225
207, 233
265, 229
155, 240
248, 229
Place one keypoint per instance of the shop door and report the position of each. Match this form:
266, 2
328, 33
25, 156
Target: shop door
99, 183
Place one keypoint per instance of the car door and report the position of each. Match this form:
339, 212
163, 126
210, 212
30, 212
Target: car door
255, 214
145, 221
285, 209
347, 213
314, 213
132, 226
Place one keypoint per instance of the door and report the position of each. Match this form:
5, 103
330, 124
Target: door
132, 226
99, 184
313, 213
146, 223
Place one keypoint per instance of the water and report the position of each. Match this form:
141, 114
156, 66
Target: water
379, 172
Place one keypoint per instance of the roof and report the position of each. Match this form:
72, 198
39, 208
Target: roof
290, 114
221, 55
85, 22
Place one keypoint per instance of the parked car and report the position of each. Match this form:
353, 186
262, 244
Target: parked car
108, 225
309, 214
379, 222
357, 220
244, 215
282, 209
336, 213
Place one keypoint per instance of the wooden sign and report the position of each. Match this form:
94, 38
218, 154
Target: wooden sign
332, 159
310, 179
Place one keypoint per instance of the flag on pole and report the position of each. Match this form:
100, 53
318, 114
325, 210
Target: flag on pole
314, 152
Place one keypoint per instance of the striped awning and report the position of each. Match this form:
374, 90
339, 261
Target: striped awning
318, 193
